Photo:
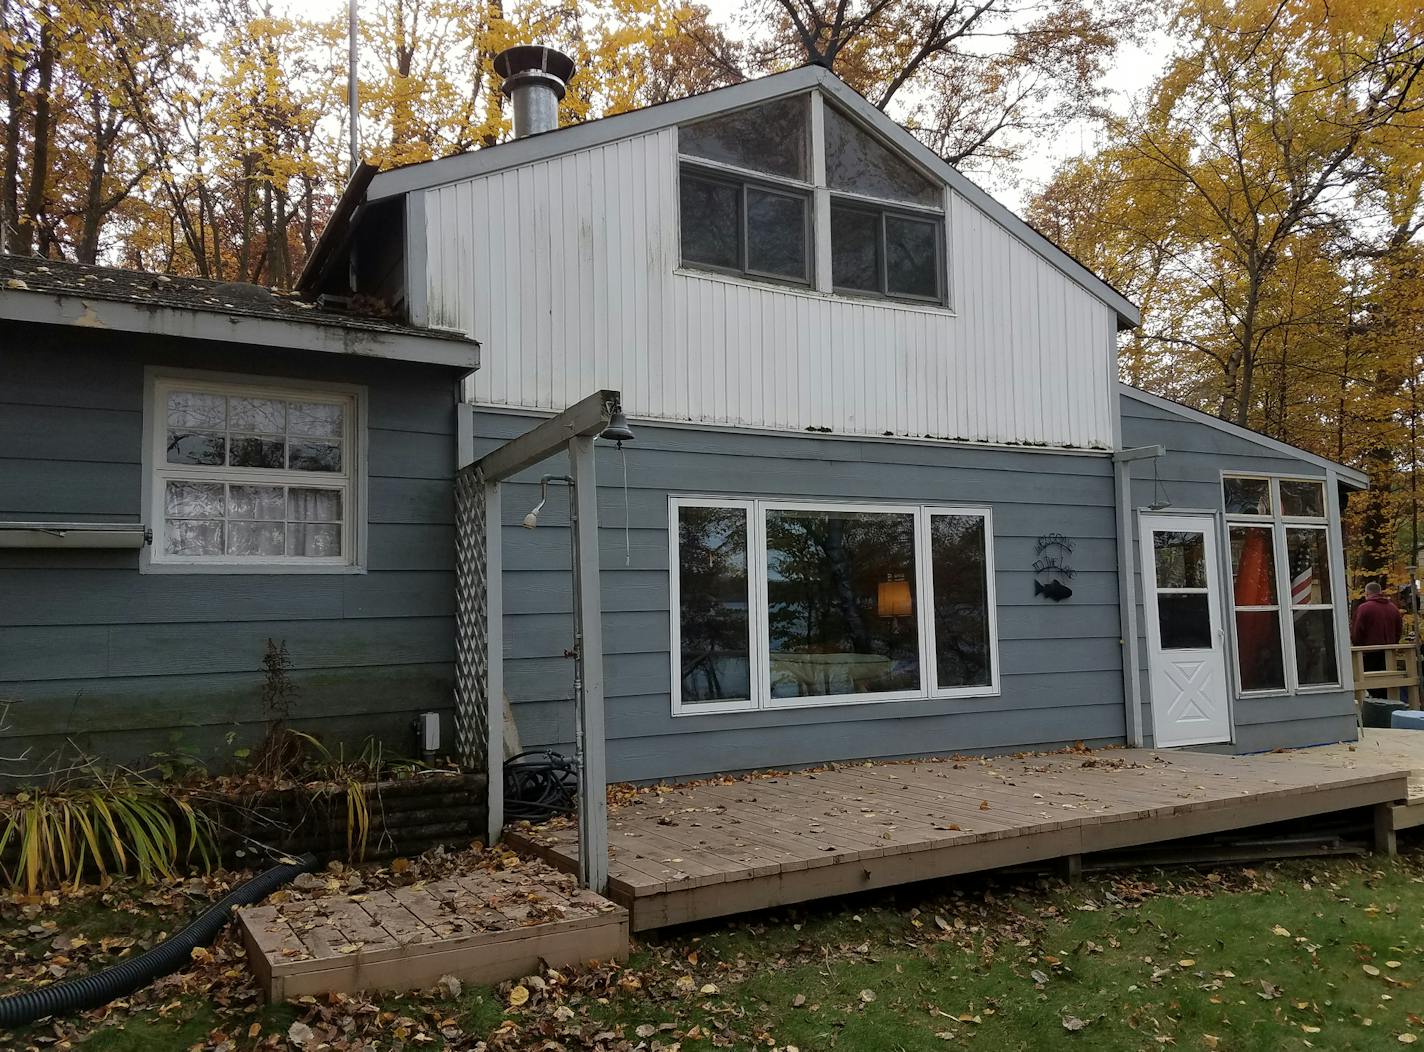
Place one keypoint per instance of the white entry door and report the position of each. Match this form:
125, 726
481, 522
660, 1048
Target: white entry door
1186, 647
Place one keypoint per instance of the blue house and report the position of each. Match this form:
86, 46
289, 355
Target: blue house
189, 469
887, 496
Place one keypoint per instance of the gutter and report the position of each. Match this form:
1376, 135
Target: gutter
1127, 586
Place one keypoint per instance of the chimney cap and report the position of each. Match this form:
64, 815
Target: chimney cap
534, 58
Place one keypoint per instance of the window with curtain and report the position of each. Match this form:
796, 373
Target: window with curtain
778, 604
251, 476
1282, 589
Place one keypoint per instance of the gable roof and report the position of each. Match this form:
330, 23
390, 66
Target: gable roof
56, 292
1349, 476
572, 138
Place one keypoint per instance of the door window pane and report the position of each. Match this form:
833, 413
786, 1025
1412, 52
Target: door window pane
1184, 620
776, 233
961, 603
1309, 558
911, 257
1181, 559
1246, 496
193, 537
857, 163
1315, 647
714, 623
194, 500
1302, 498
855, 249
711, 222
313, 540
833, 629
772, 138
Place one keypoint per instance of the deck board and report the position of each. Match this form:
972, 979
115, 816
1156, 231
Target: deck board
481, 926
722, 847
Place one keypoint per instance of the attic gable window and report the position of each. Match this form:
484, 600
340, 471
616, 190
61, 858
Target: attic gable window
743, 200
755, 183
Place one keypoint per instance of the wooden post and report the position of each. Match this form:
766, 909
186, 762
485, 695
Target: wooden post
494, 643
1384, 830
593, 771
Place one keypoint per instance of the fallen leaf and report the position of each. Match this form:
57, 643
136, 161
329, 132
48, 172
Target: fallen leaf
1282, 932
1186, 962
1407, 1039
1370, 969
1073, 1023
450, 986
867, 996
300, 1034
709, 989
646, 1030
563, 1013
798, 1000
518, 996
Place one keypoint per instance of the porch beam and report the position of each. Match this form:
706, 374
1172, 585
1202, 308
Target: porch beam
587, 418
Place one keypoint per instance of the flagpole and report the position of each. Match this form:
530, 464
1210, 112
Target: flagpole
351, 99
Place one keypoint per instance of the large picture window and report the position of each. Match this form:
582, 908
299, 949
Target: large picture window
246, 476
780, 604
1282, 590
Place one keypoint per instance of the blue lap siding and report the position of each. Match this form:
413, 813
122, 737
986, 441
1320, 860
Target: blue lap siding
1061, 663
1190, 477
127, 664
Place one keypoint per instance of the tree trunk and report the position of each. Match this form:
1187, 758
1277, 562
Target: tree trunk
42, 131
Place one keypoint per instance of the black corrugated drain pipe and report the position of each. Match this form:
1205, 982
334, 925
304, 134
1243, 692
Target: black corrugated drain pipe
91, 991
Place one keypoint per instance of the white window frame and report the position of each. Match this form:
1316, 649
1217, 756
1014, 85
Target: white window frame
351, 481
819, 198
758, 622
1278, 522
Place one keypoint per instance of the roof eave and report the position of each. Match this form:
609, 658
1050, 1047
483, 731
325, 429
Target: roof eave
1347, 475
84, 312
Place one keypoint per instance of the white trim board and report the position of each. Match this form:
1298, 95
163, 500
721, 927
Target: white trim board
1349, 476
430, 174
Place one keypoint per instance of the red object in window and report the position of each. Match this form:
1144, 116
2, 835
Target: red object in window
1253, 588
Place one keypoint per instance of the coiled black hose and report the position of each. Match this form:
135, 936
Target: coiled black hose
91, 991
538, 785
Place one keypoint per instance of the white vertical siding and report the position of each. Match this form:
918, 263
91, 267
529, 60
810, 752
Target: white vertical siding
566, 270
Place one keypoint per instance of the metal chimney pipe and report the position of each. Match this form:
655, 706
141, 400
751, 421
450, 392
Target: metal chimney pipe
535, 79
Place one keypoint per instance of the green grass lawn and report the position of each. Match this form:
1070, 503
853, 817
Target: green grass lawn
1321, 954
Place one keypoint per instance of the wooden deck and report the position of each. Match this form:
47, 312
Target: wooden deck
481, 927
714, 849
1402, 750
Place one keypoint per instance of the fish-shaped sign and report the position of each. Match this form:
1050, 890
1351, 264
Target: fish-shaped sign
1055, 590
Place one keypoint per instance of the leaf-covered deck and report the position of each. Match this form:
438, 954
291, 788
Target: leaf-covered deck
482, 926
732, 845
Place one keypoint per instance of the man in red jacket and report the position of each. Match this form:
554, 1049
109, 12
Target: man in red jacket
1377, 622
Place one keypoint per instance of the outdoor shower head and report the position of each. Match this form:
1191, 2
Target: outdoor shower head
532, 519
